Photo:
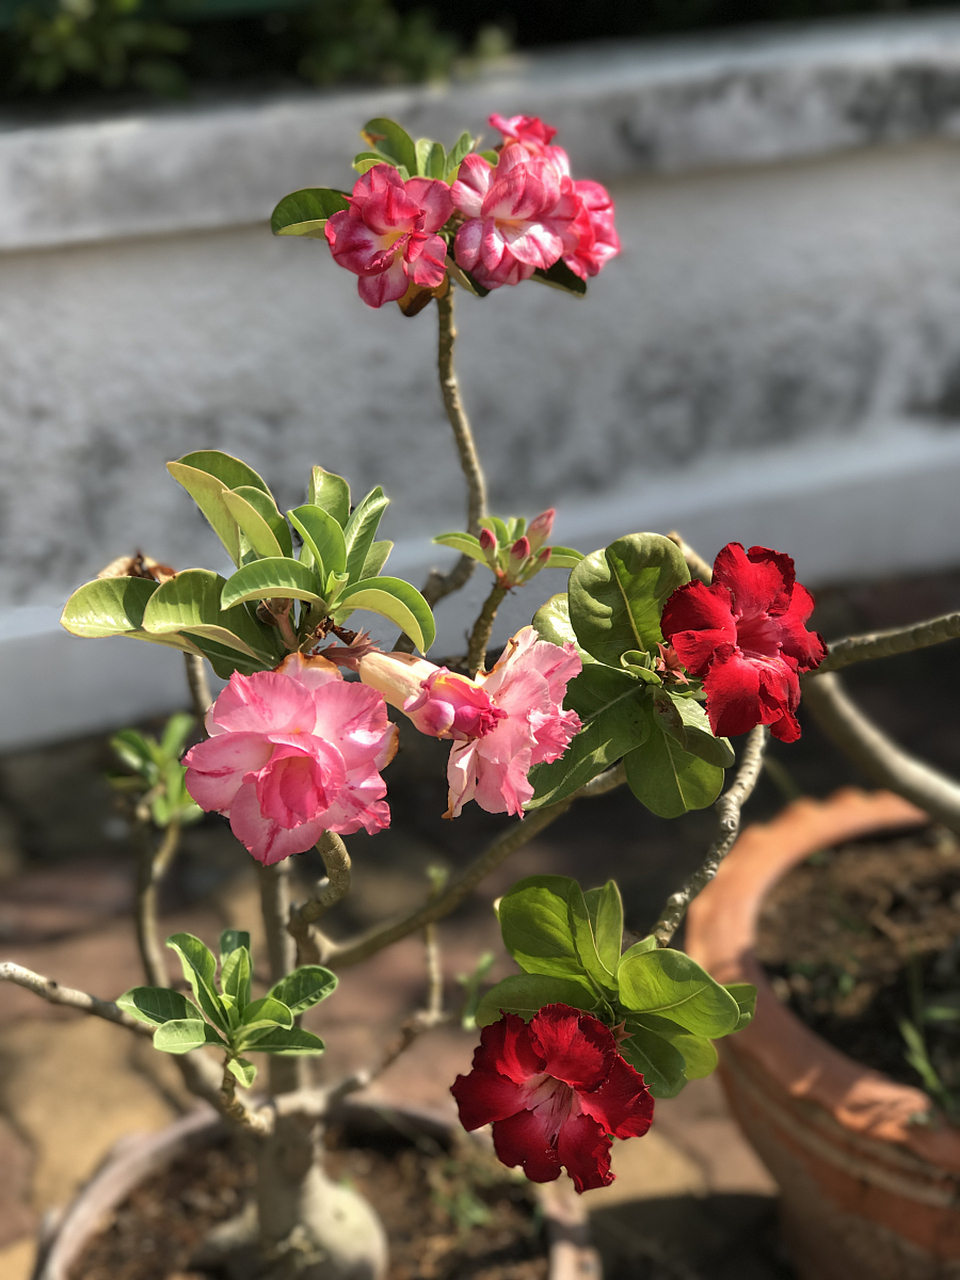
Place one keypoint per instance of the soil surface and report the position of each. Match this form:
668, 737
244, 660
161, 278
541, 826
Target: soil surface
448, 1215
863, 943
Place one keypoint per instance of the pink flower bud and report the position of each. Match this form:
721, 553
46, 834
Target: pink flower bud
520, 549
543, 559
488, 542
541, 528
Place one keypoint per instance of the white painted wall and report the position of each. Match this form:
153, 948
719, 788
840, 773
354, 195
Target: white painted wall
775, 357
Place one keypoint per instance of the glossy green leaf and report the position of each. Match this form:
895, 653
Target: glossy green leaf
564, 558
552, 622
322, 535
526, 994
235, 975
262, 1017
107, 606
376, 558
669, 983
391, 140
645, 944
175, 733
304, 988
605, 908
465, 543
304, 213
661, 1065
699, 1055
455, 157
252, 524
191, 602
431, 158
158, 1005
244, 1071
229, 470
685, 720
233, 940
617, 595
271, 579
292, 1043
612, 707
361, 529
745, 994
668, 780
537, 929
205, 475
264, 504
559, 276
395, 600
200, 970
331, 492
181, 1037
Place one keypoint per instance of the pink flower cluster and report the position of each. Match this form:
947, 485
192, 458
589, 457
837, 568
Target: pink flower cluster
528, 212
502, 724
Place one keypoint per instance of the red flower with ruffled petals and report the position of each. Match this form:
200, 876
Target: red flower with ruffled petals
744, 637
388, 235
555, 1089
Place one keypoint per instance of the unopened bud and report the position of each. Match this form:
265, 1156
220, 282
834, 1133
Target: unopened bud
520, 549
540, 528
544, 557
488, 542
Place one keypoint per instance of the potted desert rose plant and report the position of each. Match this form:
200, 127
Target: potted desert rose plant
634, 675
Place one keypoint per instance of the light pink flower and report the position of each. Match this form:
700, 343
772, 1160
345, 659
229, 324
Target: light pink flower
597, 239
293, 753
535, 137
388, 235
502, 724
519, 217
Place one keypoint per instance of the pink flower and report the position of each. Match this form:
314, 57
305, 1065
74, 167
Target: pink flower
388, 235
540, 528
745, 638
293, 753
554, 1088
519, 217
530, 133
502, 723
597, 239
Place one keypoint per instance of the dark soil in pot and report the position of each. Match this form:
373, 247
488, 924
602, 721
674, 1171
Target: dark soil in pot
863, 943
450, 1215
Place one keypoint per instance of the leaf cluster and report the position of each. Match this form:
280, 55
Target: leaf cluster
233, 621
666, 1009
500, 558
157, 774
221, 1011
629, 707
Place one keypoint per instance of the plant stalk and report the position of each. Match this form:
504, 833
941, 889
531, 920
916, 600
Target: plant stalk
480, 636
153, 865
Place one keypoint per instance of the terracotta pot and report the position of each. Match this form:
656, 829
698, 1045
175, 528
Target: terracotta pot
136, 1158
867, 1192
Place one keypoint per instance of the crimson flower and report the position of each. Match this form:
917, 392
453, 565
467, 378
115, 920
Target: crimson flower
744, 637
388, 235
554, 1088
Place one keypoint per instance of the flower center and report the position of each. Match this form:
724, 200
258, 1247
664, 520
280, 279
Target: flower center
759, 636
553, 1101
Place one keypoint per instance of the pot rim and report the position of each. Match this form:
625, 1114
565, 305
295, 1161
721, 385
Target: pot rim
569, 1251
870, 1108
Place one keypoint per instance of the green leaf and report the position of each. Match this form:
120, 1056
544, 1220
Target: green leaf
387, 137
464, 279
364, 161
304, 988
559, 276
267, 1011
430, 158
331, 492
395, 600
564, 558
605, 908
617, 595
322, 536
612, 707
668, 780
537, 929
108, 607
669, 983
304, 213
233, 940
291, 1043
206, 475
699, 1055
235, 975
685, 720
252, 524
552, 622
639, 948
377, 557
661, 1065
175, 733
244, 1071
455, 157
190, 602
745, 994
271, 579
465, 543
497, 527
361, 529
200, 970
181, 1037
526, 994
158, 1005
264, 504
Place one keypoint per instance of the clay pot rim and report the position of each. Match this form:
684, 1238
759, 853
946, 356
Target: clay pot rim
135, 1157
721, 932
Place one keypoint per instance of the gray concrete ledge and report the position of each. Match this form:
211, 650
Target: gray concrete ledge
753, 96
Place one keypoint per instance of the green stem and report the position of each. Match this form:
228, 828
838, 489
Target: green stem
480, 636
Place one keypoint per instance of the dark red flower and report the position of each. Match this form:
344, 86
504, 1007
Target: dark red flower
745, 638
554, 1088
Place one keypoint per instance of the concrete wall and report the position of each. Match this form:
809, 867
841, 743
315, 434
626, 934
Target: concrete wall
775, 357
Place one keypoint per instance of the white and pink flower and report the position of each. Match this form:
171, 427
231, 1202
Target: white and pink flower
597, 239
293, 753
502, 723
535, 137
388, 236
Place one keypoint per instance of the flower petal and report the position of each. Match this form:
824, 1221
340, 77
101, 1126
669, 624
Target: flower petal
584, 1149
388, 286
434, 200
761, 580
509, 1048
265, 839
576, 1047
522, 1139
696, 620
265, 702
217, 767
622, 1105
